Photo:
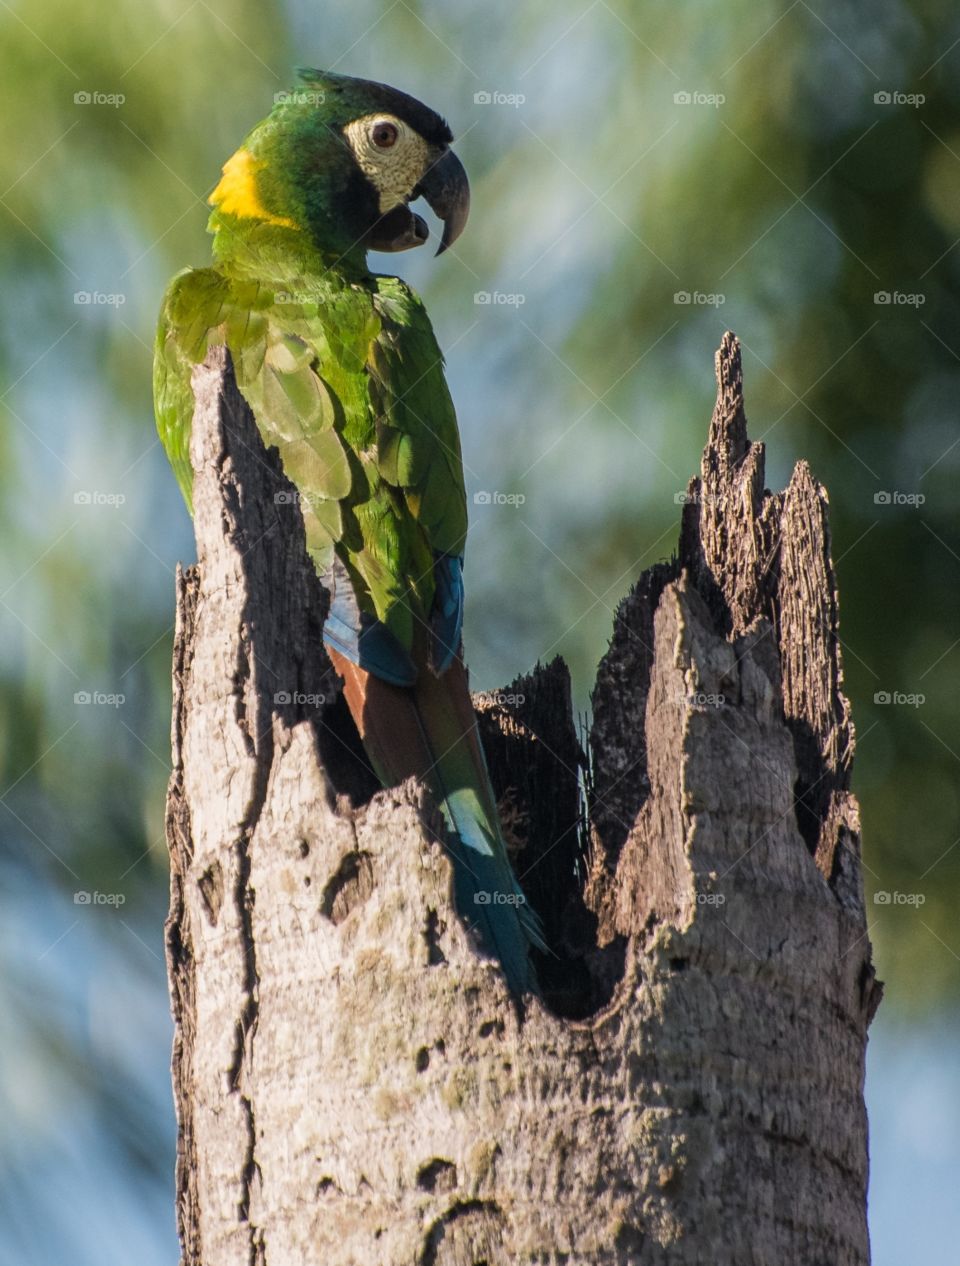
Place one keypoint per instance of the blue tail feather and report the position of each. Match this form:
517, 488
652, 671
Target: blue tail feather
446, 620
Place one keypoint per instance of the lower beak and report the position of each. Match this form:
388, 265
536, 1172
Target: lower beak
447, 191
398, 230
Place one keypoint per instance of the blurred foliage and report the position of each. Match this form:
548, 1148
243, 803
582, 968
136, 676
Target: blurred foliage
583, 387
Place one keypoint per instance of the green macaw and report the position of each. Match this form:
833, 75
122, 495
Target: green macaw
343, 374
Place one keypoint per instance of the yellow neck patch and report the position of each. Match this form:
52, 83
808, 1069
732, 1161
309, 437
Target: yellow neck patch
236, 194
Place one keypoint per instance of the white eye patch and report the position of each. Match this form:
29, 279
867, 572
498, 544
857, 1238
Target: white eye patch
395, 168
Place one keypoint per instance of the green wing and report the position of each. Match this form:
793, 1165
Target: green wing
190, 313
418, 443
346, 381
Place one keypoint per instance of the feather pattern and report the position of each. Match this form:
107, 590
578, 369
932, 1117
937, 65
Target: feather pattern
344, 377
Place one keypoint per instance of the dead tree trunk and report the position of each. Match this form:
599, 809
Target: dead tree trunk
354, 1084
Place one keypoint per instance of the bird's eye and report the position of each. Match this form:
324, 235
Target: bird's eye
384, 134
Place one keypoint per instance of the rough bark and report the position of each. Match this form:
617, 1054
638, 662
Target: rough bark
354, 1083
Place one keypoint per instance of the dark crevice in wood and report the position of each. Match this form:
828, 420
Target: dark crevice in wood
431, 935
537, 768
349, 887
210, 884
473, 1226
342, 755
437, 1174
618, 740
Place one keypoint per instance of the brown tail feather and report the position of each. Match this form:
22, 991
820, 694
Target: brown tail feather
391, 723
387, 720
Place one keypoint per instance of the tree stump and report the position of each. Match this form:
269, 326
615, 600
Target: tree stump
354, 1082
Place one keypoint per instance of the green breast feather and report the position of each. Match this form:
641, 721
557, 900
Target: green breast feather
346, 380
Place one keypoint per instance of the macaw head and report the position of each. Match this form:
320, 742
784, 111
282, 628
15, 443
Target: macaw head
340, 159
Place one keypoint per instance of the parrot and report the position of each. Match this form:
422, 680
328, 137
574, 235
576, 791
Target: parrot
344, 377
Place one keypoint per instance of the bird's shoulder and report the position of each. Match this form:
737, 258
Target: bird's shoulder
297, 354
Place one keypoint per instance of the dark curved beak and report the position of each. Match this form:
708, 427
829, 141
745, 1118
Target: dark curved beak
447, 191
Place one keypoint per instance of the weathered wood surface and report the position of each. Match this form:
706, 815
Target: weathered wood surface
354, 1083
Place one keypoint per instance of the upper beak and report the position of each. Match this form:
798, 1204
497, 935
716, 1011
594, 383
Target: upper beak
447, 191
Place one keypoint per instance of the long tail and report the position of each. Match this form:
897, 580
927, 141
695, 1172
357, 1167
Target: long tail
429, 730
